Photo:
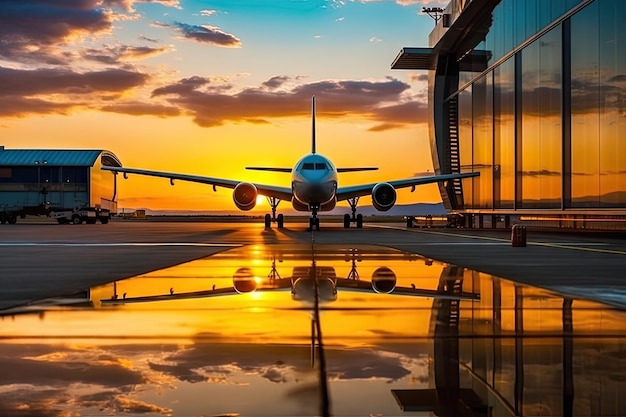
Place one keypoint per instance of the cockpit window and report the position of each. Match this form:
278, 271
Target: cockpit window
317, 166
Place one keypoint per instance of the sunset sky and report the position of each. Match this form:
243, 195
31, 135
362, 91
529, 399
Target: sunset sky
208, 87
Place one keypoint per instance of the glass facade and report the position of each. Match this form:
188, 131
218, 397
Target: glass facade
540, 116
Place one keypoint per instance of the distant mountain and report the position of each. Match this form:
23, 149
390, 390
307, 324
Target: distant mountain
419, 209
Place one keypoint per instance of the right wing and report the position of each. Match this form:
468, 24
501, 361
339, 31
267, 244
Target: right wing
351, 191
281, 193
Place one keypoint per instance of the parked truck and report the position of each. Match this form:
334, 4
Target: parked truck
89, 215
77, 215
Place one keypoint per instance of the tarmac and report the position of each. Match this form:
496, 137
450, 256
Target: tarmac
39, 260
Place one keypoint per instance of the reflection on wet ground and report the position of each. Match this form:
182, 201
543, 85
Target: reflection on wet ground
235, 334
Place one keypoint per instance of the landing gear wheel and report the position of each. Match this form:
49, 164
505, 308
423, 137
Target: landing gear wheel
76, 219
359, 221
280, 221
268, 221
346, 221
314, 223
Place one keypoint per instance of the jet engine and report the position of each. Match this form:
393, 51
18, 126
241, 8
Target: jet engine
244, 196
243, 281
383, 196
383, 280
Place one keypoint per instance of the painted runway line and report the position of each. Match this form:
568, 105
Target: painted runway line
140, 244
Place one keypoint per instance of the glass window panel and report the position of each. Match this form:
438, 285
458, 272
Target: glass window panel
508, 33
612, 44
541, 122
504, 135
519, 21
465, 144
531, 17
585, 98
482, 92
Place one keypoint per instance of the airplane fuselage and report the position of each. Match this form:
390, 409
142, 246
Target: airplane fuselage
314, 183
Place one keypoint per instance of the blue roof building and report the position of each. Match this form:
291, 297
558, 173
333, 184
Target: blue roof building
37, 180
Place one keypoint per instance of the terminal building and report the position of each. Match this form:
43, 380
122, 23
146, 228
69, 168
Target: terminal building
531, 94
38, 181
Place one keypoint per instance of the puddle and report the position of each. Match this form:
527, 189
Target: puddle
234, 334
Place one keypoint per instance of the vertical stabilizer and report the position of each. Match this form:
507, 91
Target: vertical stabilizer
313, 125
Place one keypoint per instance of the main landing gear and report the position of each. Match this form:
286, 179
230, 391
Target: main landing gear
355, 218
269, 219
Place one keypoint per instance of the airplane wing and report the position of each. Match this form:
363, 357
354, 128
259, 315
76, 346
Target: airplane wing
356, 285
277, 285
281, 193
344, 193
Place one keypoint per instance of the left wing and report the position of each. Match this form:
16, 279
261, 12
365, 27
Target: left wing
344, 193
281, 193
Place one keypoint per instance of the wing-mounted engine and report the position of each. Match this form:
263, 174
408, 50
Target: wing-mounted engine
383, 196
383, 280
243, 281
244, 196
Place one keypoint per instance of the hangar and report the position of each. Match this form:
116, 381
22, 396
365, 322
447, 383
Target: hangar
532, 94
45, 181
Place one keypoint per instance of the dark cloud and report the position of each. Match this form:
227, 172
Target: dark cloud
20, 107
20, 89
276, 82
60, 373
60, 81
276, 363
142, 109
30, 29
209, 106
204, 34
120, 53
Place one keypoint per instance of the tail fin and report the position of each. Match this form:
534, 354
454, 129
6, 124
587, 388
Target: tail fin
313, 125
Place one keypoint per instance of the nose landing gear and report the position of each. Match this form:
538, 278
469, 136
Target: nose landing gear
314, 221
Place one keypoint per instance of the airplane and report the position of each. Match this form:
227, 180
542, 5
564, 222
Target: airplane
306, 284
314, 186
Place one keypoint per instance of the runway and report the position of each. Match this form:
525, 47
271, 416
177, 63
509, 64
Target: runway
41, 260
189, 318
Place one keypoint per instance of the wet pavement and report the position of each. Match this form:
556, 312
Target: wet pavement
236, 333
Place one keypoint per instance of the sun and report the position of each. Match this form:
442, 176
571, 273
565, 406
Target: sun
260, 199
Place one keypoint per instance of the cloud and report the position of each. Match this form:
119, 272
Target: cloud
120, 53
204, 34
207, 12
136, 108
211, 107
128, 5
275, 82
31, 30
46, 91
54, 81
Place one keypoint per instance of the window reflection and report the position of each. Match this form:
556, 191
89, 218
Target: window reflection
541, 122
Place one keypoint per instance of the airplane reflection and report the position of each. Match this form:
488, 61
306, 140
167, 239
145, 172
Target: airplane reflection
306, 283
